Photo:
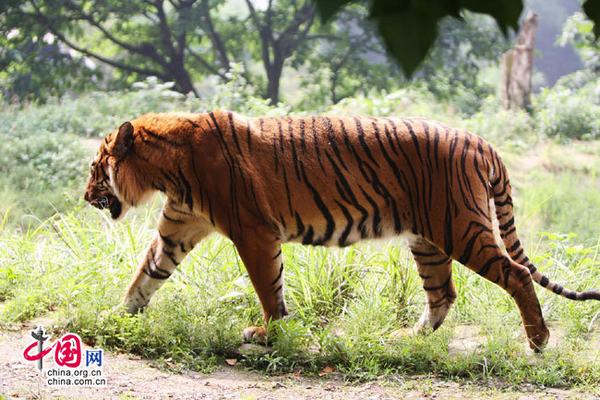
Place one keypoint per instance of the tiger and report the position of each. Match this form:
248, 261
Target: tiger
322, 181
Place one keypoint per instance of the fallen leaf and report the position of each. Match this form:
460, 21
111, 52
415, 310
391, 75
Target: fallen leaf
326, 371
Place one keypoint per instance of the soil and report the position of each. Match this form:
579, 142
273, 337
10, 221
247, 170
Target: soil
130, 377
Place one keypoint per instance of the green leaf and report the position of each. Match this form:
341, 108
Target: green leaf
409, 27
505, 12
592, 10
328, 8
407, 38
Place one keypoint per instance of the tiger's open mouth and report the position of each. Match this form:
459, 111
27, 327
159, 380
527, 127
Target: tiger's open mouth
111, 202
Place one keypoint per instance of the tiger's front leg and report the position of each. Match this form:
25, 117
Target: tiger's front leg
260, 250
178, 233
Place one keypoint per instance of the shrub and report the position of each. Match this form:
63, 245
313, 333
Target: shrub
500, 126
37, 172
413, 101
569, 114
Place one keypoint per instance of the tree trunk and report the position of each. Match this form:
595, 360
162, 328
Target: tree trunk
181, 76
274, 72
183, 82
517, 67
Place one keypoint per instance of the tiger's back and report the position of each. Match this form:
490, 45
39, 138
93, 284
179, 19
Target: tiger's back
333, 181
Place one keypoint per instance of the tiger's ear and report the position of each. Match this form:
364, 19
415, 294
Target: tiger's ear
124, 140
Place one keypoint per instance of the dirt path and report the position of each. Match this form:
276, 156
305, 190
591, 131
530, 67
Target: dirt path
132, 378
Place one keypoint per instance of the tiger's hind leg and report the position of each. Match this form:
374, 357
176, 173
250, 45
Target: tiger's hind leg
435, 269
483, 255
260, 250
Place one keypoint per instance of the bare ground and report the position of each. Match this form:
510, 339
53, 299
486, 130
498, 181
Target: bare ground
133, 378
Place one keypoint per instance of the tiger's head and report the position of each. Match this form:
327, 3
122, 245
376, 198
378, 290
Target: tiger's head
104, 188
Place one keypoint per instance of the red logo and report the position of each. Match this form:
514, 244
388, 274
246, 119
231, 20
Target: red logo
67, 350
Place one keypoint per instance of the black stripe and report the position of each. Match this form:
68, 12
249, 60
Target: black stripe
279, 275
249, 137
508, 224
518, 255
486, 267
404, 182
168, 241
287, 189
316, 144
333, 142
171, 256
234, 134
188, 189
302, 135
376, 213
161, 138
294, 154
414, 139
466, 256
321, 205
514, 247
422, 254
350, 193
299, 224
363, 143
442, 286
172, 220
506, 202
346, 232
308, 236
557, 289
276, 255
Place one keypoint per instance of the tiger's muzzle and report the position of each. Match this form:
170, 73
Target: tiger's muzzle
106, 200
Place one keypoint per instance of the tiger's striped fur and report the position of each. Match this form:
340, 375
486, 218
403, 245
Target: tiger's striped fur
320, 180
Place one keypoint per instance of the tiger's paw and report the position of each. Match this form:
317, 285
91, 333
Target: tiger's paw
538, 343
256, 334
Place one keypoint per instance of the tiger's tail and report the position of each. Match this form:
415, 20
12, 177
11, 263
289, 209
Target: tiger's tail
501, 189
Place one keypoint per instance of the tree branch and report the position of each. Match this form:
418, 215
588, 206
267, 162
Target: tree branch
165, 31
205, 63
39, 16
214, 37
265, 33
144, 49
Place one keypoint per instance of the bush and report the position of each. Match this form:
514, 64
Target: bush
38, 172
565, 113
93, 114
500, 126
413, 101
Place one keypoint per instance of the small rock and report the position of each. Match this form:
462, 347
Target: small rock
330, 388
251, 349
